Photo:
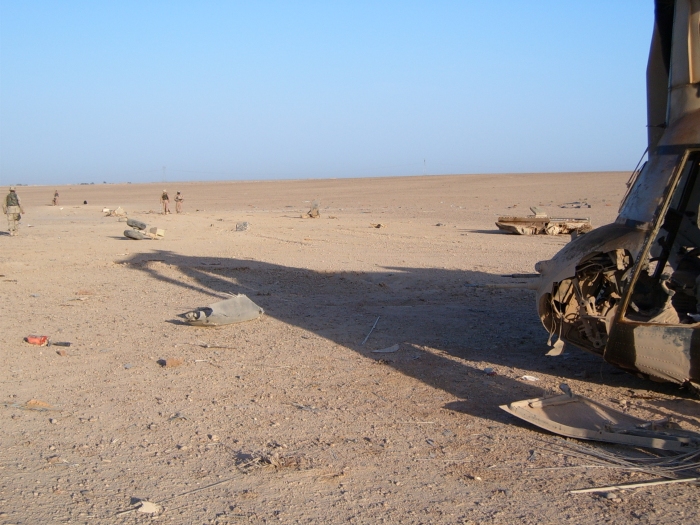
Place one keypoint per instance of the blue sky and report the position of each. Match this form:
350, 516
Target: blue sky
115, 91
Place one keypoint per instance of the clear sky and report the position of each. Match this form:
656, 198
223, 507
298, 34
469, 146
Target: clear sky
116, 91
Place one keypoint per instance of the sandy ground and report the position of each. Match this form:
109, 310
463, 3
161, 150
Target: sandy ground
294, 420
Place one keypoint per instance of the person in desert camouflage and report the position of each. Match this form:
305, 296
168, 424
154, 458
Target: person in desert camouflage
166, 202
12, 207
178, 202
55, 198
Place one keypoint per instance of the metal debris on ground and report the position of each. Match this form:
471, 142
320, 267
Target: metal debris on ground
119, 212
237, 309
578, 417
242, 226
557, 349
577, 204
681, 467
541, 224
389, 350
370, 331
313, 213
148, 507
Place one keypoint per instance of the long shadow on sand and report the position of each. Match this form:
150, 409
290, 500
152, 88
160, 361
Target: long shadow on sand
437, 317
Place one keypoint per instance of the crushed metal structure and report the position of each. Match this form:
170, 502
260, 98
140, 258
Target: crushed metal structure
542, 224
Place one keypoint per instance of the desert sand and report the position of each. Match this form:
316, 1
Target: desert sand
290, 418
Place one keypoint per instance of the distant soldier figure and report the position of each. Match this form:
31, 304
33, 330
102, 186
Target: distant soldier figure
166, 202
55, 198
13, 208
178, 202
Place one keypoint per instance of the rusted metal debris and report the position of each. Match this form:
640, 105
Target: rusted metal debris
542, 224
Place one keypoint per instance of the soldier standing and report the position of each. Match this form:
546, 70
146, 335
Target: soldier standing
13, 208
55, 198
166, 202
178, 202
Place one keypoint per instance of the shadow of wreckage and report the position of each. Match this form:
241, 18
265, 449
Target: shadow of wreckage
421, 308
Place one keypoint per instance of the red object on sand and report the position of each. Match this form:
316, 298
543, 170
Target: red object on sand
39, 340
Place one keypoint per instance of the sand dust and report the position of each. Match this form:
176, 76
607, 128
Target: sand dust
290, 419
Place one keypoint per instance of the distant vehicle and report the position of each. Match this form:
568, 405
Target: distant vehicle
630, 291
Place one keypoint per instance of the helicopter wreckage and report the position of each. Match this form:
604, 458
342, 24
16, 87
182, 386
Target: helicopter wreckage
630, 291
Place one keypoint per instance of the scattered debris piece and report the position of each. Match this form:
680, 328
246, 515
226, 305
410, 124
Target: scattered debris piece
274, 461
378, 225
171, 362
148, 507
127, 366
389, 350
489, 371
119, 212
530, 378
582, 418
242, 226
156, 232
634, 485
541, 224
38, 340
37, 404
576, 204
62, 353
43, 340
237, 309
313, 213
566, 389
370, 332
557, 349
